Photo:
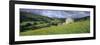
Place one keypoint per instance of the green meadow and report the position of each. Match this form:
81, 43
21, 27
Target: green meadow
82, 26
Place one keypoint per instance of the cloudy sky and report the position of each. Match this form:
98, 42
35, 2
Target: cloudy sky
58, 13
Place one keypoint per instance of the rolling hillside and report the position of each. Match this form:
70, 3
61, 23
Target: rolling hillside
35, 21
73, 28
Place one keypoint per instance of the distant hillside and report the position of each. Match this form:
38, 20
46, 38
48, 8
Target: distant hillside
83, 18
34, 21
24, 16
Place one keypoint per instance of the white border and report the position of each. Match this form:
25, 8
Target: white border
41, 37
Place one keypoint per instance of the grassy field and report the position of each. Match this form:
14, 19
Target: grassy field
73, 28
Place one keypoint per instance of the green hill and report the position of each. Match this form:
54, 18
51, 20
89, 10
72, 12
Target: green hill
73, 28
34, 21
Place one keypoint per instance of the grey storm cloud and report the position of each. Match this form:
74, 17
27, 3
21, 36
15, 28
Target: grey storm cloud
58, 13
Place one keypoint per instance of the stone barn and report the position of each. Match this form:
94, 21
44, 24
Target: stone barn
69, 20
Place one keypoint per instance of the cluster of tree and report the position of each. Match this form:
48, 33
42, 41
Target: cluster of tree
29, 21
